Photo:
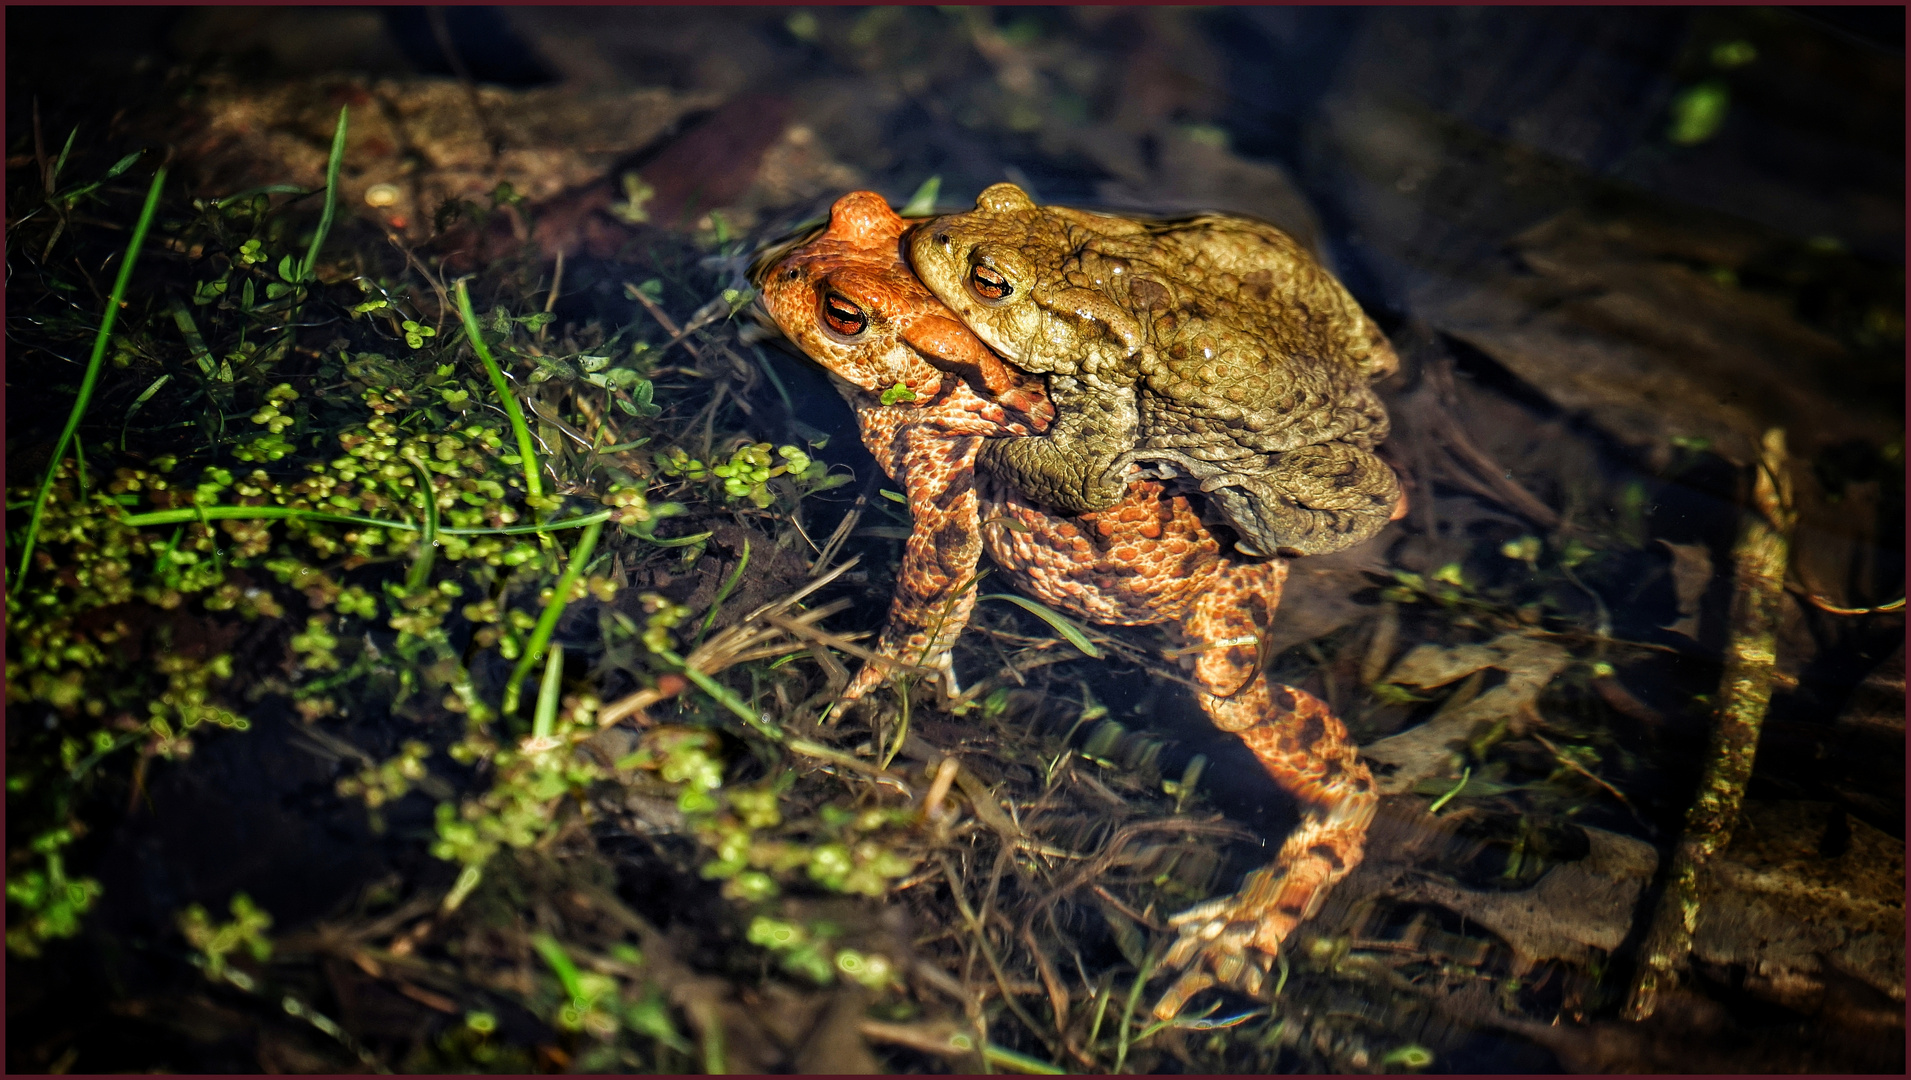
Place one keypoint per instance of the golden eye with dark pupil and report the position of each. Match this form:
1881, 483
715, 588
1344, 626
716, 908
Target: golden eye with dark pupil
844, 317
989, 284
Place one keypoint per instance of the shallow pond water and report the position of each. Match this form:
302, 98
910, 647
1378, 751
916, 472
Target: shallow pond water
1615, 250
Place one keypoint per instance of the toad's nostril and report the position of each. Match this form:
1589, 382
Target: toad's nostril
942, 238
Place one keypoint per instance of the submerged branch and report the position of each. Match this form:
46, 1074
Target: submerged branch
1759, 558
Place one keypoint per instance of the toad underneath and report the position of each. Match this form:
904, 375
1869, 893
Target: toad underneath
850, 302
1214, 346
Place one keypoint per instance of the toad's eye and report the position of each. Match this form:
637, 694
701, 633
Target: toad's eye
844, 317
988, 284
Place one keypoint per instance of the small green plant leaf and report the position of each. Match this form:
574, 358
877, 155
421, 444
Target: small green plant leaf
309, 267
1063, 625
122, 164
59, 163
1698, 112
923, 202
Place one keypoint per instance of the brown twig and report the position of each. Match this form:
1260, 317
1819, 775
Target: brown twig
677, 335
1126, 909
1501, 487
1760, 557
1057, 996
980, 933
431, 279
843, 528
1818, 601
550, 302
1575, 766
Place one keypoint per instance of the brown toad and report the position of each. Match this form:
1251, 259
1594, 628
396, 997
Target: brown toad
847, 300
1214, 345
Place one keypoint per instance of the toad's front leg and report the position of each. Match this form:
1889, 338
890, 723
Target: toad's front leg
1081, 464
935, 586
1306, 749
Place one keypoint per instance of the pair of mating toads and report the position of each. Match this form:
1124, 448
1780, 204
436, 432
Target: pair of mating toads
1210, 354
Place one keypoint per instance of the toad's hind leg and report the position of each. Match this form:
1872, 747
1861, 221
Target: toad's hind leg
1080, 465
1306, 749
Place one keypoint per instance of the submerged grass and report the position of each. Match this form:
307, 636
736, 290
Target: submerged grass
533, 485
553, 611
308, 269
91, 377
284, 513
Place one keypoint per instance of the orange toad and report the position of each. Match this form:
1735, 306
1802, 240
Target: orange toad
847, 298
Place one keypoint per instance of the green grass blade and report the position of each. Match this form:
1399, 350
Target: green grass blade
253, 513
724, 592
776, 380
545, 719
138, 402
1128, 1009
428, 545
722, 695
679, 541
147, 394
1465, 775
560, 963
309, 268
75, 194
195, 344
1063, 626
547, 622
265, 189
505, 397
923, 202
100, 341
275, 513
519, 530
1017, 1062
53, 178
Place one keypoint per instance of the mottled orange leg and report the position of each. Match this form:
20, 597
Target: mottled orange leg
935, 588
1305, 748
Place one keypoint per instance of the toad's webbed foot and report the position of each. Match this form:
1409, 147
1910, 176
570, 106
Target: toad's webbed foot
1233, 940
874, 673
1304, 747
